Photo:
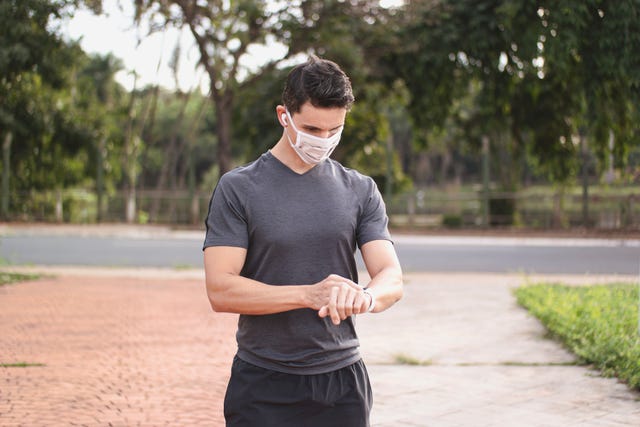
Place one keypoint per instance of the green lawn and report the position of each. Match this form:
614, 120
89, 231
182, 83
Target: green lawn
598, 323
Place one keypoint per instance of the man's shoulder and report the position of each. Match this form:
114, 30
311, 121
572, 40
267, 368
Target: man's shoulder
353, 176
241, 174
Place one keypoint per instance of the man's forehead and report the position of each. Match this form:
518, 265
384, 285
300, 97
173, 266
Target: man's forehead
311, 113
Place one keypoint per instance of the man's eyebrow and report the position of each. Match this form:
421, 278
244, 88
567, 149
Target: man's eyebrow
315, 128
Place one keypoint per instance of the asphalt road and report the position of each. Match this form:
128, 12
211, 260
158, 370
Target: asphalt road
416, 253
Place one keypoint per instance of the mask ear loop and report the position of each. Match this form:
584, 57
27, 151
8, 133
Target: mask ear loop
285, 124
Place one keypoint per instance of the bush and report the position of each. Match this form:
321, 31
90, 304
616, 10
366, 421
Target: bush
452, 220
597, 323
501, 211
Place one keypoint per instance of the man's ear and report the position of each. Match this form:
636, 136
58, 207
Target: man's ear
282, 115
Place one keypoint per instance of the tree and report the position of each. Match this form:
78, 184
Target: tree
24, 40
35, 65
97, 100
593, 49
545, 71
224, 32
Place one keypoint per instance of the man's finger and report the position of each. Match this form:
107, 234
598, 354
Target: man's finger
349, 303
333, 309
342, 302
324, 310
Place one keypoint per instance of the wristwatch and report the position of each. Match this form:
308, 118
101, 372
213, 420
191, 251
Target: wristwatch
372, 304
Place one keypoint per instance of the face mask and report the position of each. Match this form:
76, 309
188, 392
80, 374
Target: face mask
312, 149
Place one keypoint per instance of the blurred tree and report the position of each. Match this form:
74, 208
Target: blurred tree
547, 71
98, 100
35, 68
590, 55
225, 32
355, 34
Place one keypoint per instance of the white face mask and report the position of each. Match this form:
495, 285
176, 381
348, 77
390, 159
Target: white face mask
310, 148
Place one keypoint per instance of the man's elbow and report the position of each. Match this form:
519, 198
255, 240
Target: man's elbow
215, 294
215, 305
399, 287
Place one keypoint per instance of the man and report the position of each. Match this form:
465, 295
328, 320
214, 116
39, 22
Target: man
279, 250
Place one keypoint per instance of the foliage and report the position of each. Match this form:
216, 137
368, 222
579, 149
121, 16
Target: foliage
255, 127
541, 80
57, 130
223, 33
46, 101
179, 138
547, 72
452, 220
598, 323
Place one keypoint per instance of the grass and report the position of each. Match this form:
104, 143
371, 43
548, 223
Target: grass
182, 267
20, 365
598, 323
8, 278
403, 359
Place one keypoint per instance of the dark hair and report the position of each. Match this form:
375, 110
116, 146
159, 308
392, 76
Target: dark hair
320, 82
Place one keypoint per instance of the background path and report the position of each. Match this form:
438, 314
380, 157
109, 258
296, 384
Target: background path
142, 347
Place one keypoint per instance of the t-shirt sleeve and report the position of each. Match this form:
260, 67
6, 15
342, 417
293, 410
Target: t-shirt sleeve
226, 222
373, 222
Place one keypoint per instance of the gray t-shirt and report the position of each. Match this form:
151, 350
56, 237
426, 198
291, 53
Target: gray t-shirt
297, 230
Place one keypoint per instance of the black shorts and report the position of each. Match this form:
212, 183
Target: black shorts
258, 397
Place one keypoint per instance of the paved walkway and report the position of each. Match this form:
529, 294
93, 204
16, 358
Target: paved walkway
485, 361
141, 347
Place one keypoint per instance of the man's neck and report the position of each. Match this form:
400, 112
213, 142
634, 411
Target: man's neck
287, 155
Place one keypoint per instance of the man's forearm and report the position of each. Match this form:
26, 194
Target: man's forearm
236, 294
386, 287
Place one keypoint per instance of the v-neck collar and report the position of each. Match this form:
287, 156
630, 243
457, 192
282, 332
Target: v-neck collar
281, 164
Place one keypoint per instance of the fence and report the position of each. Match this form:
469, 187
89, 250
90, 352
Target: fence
419, 209
536, 211
78, 206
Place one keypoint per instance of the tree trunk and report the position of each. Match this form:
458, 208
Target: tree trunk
485, 181
558, 218
224, 105
170, 161
100, 154
585, 181
131, 204
59, 211
6, 173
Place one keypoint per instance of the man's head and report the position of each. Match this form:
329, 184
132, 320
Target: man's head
321, 83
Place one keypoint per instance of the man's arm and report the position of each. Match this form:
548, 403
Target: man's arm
382, 263
230, 292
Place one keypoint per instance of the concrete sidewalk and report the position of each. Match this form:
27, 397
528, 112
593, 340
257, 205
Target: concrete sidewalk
141, 347
482, 361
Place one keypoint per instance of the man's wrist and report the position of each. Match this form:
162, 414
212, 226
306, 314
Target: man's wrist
372, 303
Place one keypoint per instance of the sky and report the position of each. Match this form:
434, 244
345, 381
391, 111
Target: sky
115, 32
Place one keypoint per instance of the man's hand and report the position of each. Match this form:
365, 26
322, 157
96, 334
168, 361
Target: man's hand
337, 297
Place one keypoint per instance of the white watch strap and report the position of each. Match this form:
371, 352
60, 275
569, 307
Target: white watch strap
372, 305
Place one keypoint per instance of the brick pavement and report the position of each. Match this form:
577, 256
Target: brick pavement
141, 347
116, 351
